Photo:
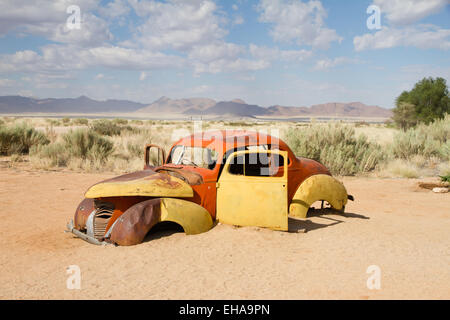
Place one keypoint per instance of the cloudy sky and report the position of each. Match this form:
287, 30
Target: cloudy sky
288, 52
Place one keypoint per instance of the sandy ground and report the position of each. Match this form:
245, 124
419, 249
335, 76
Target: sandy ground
392, 224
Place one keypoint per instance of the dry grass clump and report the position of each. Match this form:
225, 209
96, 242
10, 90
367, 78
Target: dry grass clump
431, 140
420, 151
400, 168
19, 138
336, 146
80, 121
87, 150
81, 144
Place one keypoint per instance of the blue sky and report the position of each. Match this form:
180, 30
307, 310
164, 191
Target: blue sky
287, 52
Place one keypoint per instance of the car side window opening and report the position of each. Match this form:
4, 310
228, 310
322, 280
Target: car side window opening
257, 164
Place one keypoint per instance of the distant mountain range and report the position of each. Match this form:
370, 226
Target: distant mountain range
18, 104
239, 108
188, 107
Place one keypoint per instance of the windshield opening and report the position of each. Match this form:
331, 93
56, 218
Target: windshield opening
194, 156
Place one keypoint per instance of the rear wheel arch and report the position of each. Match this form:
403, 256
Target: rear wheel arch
316, 188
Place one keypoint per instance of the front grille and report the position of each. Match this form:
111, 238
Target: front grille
103, 212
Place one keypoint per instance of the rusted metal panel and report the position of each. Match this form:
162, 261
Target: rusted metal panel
134, 224
154, 185
191, 177
161, 155
83, 211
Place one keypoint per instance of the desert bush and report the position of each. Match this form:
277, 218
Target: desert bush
431, 140
53, 122
106, 128
336, 146
52, 155
135, 149
82, 144
65, 121
87, 144
109, 128
120, 122
130, 144
18, 139
137, 122
400, 168
81, 121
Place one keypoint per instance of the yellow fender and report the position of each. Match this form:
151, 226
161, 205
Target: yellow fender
192, 217
156, 185
315, 188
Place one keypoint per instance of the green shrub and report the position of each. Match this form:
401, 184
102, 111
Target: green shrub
18, 139
120, 122
135, 150
53, 122
106, 128
86, 144
110, 128
336, 146
76, 144
56, 153
431, 140
137, 122
81, 121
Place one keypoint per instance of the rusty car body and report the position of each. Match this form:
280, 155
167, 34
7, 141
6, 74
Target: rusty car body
236, 177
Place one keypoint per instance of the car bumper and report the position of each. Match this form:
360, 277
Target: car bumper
84, 236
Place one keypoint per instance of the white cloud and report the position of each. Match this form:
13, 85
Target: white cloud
194, 28
270, 54
224, 65
228, 57
7, 83
325, 64
422, 36
193, 31
93, 31
400, 31
142, 76
402, 12
202, 89
48, 19
59, 58
114, 9
298, 21
238, 20
215, 51
177, 24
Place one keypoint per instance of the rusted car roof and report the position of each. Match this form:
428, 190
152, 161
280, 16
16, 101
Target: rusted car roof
224, 140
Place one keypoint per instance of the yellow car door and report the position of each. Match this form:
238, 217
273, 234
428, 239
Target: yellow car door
252, 189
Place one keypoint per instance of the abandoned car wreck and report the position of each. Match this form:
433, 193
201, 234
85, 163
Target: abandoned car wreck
236, 177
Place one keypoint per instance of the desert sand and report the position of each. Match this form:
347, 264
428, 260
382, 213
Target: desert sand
392, 224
